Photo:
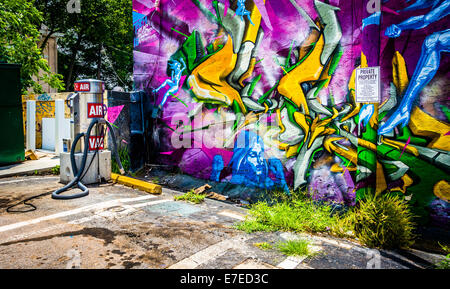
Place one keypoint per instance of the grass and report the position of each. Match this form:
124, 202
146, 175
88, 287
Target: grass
191, 197
444, 264
295, 213
298, 247
55, 170
263, 246
124, 157
384, 222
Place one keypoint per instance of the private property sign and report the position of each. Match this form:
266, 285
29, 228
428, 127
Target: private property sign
368, 85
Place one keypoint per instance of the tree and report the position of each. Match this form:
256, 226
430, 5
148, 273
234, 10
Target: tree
96, 43
19, 37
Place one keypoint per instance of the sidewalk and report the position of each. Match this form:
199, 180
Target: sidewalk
46, 161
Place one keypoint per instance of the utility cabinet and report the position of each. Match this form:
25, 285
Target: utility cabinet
12, 148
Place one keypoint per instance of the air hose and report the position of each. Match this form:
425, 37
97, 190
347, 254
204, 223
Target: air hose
78, 173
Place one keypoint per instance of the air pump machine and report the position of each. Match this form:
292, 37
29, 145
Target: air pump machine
84, 160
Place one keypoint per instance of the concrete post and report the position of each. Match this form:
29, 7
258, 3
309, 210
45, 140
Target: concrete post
31, 125
59, 119
367, 158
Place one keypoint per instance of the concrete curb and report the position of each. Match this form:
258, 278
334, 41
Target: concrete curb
136, 184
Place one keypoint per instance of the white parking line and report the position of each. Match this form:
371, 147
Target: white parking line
29, 179
106, 204
231, 214
210, 253
291, 262
129, 209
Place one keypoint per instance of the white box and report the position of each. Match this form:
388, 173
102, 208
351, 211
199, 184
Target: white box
100, 167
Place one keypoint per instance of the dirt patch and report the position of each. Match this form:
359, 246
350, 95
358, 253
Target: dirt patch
164, 243
6, 202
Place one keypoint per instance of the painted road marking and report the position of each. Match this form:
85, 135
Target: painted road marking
106, 204
128, 209
291, 262
210, 253
254, 264
231, 214
29, 179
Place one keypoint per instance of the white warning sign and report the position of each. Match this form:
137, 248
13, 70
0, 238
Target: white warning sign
368, 85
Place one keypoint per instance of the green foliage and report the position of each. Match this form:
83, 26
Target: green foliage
295, 213
19, 34
55, 170
444, 264
124, 157
263, 246
383, 221
96, 43
191, 197
298, 247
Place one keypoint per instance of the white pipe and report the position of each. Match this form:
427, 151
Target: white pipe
59, 125
31, 125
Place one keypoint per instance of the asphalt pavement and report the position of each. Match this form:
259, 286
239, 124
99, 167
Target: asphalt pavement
119, 227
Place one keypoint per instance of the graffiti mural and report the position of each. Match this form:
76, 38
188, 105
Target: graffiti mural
261, 93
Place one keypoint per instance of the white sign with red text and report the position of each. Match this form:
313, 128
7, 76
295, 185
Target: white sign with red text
96, 143
82, 86
96, 110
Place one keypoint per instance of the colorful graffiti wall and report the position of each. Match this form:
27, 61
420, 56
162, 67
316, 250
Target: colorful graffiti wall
261, 93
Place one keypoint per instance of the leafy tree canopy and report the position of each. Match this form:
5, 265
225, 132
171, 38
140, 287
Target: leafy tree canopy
95, 43
19, 36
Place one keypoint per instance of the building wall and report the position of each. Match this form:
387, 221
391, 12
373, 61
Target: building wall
50, 53
45, 108
263, 96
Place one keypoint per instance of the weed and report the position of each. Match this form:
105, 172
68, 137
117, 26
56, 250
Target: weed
298, 247
298, 215
124, 157
191, 197
444, 264
263, 246
383, 221
55, 170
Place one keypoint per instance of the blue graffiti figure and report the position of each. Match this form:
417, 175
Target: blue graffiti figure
276, 168
217, 167
242, 11
249, 167
366, 113
173, 82
430, 57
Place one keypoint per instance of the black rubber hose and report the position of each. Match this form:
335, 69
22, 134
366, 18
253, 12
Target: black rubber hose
76, 180
72, 155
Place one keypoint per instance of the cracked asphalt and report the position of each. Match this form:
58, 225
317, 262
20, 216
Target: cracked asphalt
118, 227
